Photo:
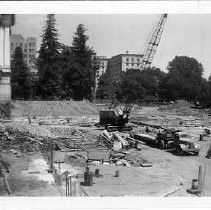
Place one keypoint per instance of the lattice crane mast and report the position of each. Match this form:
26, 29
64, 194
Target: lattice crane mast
153, 44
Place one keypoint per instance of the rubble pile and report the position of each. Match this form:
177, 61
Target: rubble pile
121, 146
28, 129
23, 137
70, 132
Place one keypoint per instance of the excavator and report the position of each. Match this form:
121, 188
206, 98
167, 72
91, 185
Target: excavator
116, 118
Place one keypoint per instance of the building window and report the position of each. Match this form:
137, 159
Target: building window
132, 64
31, 44
132, 59
127, 64
138, 59
127, 59
137, 64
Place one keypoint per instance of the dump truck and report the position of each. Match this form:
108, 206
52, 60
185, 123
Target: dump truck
182, 142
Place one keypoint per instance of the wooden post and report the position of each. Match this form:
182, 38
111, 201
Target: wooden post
200, 178
59, 167
67, 185
51, 156
6, 182
204, 174
75, 188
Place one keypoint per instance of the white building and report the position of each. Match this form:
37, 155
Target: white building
6, 21
123, 62
103, 62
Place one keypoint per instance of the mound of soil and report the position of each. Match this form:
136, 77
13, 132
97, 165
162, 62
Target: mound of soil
181, 107
53, 108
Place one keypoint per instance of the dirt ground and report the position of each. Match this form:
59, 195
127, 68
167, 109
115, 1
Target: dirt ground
170, 175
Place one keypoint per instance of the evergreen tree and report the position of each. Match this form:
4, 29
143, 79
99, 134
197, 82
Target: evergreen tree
50, 83
80, 74
20, 80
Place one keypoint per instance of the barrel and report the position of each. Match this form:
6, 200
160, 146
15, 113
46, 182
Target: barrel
88, 178
97, 172
116, 173
194, 184
201, 137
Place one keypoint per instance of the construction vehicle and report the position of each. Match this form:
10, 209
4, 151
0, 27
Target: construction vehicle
182, 142
115, 118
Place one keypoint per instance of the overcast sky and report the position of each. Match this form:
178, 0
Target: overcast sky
110, 35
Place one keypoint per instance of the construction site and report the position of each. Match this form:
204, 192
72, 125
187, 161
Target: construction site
63, 149
81, 149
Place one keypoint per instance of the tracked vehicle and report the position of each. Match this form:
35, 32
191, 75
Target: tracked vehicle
115, 119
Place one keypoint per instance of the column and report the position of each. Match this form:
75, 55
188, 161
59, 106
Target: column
5, 87
1, 46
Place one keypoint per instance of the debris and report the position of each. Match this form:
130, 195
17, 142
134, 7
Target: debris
117, 146
120, 139
123, 162
146, 165
177, 188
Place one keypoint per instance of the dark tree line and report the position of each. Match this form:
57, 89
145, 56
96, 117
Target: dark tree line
184, 80
66, 72
63, 71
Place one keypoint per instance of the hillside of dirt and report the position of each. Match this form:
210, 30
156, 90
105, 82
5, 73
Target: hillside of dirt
53, 108
181, 107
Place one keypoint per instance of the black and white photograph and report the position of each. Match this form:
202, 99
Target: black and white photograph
105, 105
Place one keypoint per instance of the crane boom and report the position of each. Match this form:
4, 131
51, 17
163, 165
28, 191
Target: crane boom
153, 44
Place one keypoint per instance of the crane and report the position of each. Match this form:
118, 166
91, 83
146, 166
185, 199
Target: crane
153, 43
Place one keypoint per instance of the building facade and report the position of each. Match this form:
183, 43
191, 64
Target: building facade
103, 64
122, 63
28, 46
6, 22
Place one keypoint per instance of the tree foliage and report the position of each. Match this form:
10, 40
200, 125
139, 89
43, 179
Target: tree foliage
184, 79
69, 72
134, 85
20, 76
80, 67
50, 83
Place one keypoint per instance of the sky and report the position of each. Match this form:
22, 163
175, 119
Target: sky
112, 34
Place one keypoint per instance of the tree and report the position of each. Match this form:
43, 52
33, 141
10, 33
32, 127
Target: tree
20, 80
150, 79
50, 83
80, 71
183, 80
103, 90
132, 88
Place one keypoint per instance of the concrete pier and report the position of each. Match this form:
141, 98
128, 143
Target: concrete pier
6, 22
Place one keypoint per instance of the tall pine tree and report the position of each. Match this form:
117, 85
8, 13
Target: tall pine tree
20, 76
80, 74
50, 83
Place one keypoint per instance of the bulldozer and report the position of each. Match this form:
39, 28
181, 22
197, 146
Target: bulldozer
115, 118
